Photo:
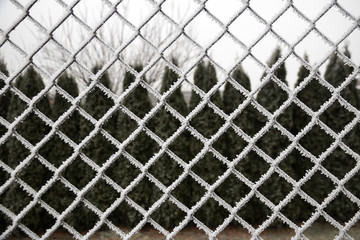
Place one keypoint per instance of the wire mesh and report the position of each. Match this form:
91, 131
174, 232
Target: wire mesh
185, 125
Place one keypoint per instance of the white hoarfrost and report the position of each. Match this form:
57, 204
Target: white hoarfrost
160, 99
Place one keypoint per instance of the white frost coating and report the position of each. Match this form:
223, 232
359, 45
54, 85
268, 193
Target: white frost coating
205, 101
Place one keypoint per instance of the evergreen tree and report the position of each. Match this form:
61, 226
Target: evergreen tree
312, 95
337, 117
58, 196
166, 169
232, 99
315, 141
99, 150
271, 97
141, 148
4, 98
209, 168
4, 104
233, 190
33, 129
351, 92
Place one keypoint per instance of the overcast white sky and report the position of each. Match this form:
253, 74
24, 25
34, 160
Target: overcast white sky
225, 52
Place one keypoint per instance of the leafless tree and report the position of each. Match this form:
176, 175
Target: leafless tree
114, 34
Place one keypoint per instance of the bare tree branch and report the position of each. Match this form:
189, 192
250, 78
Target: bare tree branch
157, 31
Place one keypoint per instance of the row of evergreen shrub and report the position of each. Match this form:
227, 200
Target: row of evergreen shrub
186, 147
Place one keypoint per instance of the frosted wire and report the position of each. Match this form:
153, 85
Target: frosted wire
185, 125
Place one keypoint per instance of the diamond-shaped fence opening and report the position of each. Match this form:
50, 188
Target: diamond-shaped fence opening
123, 118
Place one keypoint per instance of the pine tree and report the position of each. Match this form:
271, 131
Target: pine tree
4, 104
209, 168
166, 169
337, 117
58, 196
33, 129
271, 97
99, 150
141, 148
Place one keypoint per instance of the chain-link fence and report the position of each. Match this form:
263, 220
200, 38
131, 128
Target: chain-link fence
271, 119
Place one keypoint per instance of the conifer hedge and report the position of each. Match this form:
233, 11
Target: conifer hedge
233, 189
313, 95
4, 104
166, 169
206, 122
98, 149
32, 129
273, 142
337, 117
141, 148
58, 196
186, 147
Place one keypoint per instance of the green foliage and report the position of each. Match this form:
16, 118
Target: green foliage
312, 95
232, 99
199, 77
337, 117
271, 97
4, 104
233, 190
98, 149
141, 148
33, 129
166, 169
58, 196
351, 93
4, 98
70, 127
207, 123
